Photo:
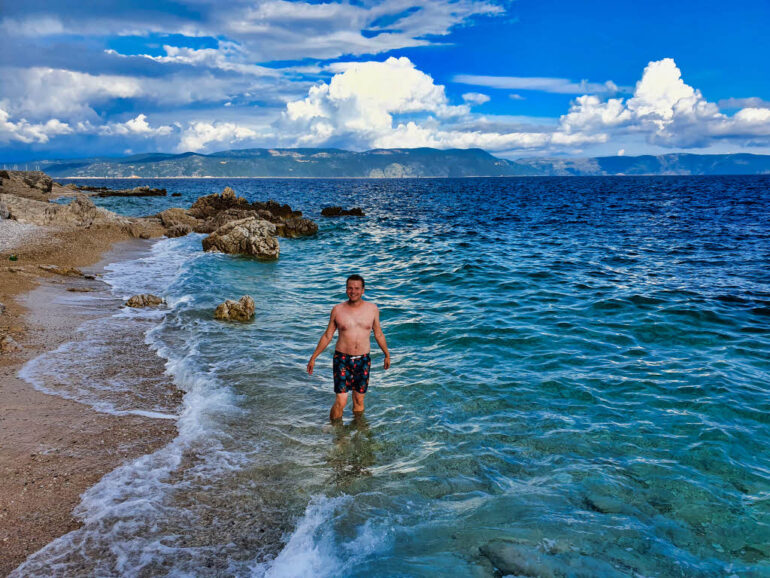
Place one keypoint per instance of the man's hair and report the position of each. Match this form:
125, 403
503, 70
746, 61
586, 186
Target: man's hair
356, 277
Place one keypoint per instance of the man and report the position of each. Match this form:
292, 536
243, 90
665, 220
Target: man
355, 320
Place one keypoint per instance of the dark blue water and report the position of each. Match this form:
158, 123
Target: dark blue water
580, 386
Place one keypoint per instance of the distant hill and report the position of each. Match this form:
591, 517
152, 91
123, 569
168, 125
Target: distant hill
396, 163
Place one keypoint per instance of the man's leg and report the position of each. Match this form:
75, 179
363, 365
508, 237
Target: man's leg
358, 402
339, 405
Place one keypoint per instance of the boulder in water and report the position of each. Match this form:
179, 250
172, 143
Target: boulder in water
340, 212
145, 300
241, 310
250, 236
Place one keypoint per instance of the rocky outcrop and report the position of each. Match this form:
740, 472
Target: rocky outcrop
30, 184
81, 212
214, 211
145, 300
65, 271
340, 212
177, 222
4, 212
250, 236
296, 227
241, 310
141, 191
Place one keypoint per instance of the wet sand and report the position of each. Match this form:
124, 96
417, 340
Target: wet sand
53, 449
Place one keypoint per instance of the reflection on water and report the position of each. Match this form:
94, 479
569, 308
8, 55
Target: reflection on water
352, 454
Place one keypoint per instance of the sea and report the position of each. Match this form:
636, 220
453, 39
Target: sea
580, 386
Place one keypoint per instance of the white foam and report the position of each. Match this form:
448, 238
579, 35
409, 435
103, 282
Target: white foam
314, 550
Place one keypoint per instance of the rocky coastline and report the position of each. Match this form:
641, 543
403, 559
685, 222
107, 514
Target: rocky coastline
48, 246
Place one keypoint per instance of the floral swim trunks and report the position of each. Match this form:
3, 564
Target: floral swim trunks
351, 372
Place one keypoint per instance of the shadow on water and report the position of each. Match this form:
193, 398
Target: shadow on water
352, 454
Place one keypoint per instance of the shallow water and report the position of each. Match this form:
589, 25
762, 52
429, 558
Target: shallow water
579, 380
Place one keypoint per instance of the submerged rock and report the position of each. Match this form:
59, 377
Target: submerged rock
145, 300
246, 237
241, 310
517, 559
340, 212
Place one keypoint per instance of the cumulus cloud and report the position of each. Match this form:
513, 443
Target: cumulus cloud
666, 110
367, 104
27, 132
360, 103
200, 134
136, 127
475, 98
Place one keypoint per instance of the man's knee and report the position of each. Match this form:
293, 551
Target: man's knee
358, 401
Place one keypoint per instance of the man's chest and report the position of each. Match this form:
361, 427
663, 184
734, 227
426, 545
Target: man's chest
355, 321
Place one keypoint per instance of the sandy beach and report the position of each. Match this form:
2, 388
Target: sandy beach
52, 449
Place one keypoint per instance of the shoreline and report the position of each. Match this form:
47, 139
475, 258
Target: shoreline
53, 449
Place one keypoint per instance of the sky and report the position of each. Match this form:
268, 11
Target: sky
520, 78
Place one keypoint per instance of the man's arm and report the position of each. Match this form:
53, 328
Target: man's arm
325, 340
379, 336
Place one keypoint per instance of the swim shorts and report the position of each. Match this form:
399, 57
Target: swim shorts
351, 372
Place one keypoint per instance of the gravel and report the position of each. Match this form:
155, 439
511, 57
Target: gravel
14, 234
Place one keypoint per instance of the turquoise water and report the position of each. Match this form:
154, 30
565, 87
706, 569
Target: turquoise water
580, 370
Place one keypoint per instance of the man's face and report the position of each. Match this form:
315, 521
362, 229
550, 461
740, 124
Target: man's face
354, 289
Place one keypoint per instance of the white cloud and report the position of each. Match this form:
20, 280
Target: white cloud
42, 92
136, 127
514, 96
753, 102
361, 101
26, 132
475, 98
200, 134
543, 84
361, 104
666, 110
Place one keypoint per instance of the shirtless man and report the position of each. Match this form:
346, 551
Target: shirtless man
355, 319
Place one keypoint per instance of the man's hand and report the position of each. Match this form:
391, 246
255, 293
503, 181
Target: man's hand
310, 365
386, 365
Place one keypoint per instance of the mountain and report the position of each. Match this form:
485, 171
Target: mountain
378, 163
395, 163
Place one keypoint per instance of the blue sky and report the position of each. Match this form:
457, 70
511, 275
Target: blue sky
518, 78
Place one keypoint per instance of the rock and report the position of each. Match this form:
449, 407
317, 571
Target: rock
28, 184
145, 300
214, 211
517, 559
241, 310
178, 231
79, 290
4, 174
296, 227
224, 217
8, 344
143, 191
177, 222
340, 212
4, 212
2, 308
65, 271
250, 236
210, 205
176, 194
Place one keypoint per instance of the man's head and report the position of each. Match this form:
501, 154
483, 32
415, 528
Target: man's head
354, 287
